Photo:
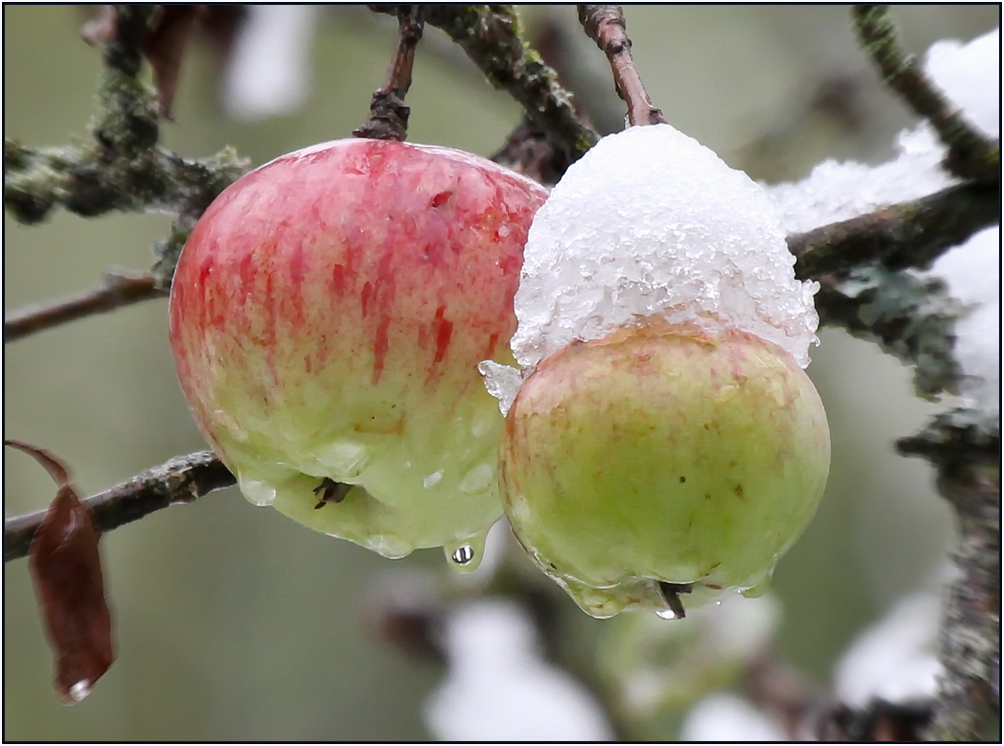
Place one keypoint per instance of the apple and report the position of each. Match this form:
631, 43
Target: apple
327, 318
663, 465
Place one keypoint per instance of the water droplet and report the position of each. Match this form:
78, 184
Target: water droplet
432, 479
477, 479
666, 614
466, 554
463, 555
344, 459
484, 421
79, 690
257, 492
757, 590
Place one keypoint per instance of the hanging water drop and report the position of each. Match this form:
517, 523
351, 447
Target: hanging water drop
256, 491
666, 614
463, 555
78, 691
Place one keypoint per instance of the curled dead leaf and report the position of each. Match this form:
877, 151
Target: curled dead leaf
65, 569
166, 37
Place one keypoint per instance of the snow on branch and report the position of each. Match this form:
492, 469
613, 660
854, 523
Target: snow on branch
971, 154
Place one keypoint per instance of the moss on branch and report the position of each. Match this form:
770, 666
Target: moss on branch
491, 36
971, 155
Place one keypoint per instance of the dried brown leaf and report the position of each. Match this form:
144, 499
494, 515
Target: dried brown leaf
101, 28
165, 46
65, 569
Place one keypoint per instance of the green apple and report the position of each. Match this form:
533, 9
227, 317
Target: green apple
663, 465
327, 318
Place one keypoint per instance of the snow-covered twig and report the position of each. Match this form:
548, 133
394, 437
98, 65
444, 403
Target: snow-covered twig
972, 155
908, 234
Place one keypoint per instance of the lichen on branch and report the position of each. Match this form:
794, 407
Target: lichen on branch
971, 155
491, 36
180, 480
965, 449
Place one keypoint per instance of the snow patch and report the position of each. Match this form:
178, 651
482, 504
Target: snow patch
727, 717
893, 659
498, 688
650, 223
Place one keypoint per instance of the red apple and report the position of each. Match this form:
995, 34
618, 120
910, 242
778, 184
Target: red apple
327, 318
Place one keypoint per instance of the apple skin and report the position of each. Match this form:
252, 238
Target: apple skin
663, 453
327, 317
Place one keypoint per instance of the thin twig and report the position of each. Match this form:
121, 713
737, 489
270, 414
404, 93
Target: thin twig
606, 26
116, 290
971, 154
879, 720
527, 151
180, 480
908, 234
388, 118
965, 449
491, 36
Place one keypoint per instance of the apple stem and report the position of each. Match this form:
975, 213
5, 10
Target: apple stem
671, 592
606, 26
388, 119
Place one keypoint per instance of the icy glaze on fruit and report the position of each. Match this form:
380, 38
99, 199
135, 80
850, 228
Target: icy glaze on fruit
327, 317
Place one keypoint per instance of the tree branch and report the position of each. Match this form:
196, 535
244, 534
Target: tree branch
909, 234
965, 449
527, 151
606, 26
91, 183
971, 154
491, 36
116, 290
180, 480
910, 318
121, 167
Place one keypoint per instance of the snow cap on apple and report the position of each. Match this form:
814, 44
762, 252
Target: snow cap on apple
662, 444
327, 317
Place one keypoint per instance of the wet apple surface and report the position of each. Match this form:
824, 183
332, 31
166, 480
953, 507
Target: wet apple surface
663, 457
327, 317
663, 445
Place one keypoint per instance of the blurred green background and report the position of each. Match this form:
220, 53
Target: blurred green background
235, 623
